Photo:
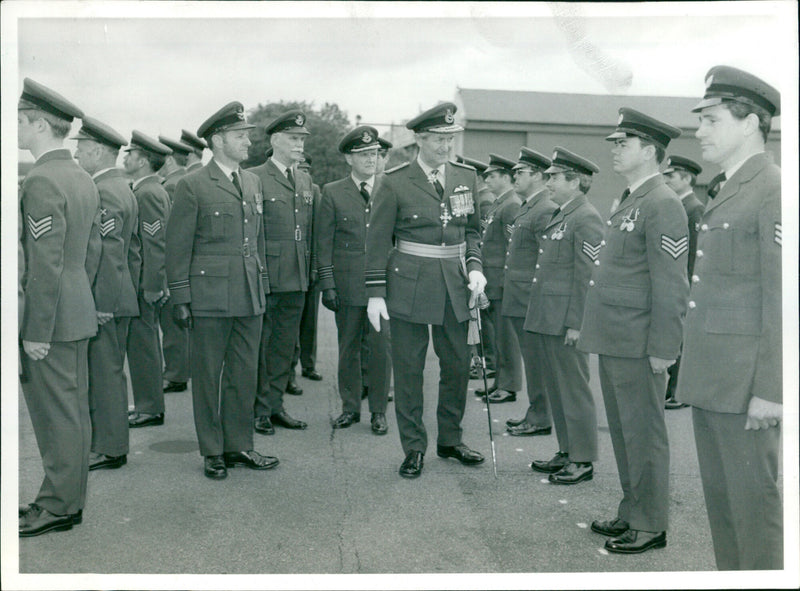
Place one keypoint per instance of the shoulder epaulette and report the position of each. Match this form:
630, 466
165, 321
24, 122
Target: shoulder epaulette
396, 168
462, 165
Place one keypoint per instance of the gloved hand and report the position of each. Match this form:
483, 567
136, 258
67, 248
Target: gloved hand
330, 299
376, 309
477, 282
182, 315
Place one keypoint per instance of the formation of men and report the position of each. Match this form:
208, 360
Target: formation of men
228, 259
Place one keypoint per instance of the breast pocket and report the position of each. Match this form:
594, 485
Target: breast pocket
278, 211
216, 221
349, 235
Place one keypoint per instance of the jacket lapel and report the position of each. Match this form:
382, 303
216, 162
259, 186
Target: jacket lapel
278, 175
418, 177
748, 170
221, 179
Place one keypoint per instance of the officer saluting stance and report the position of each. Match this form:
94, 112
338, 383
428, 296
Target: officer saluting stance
428, 206
217, 277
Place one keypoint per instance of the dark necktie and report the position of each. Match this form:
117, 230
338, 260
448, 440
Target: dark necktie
236, 183
364, 192
436, 184
290, 176
714, 185
625, 194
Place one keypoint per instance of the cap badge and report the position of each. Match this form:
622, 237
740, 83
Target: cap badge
448, 116
621, 119
299, 121
240, 115
555, 155
366, 138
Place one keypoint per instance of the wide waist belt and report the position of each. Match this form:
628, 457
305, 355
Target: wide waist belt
433, 251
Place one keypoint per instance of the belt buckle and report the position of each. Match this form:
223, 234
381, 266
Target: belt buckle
297, 235
246, 249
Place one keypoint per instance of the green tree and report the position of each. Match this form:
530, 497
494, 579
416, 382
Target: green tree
327, 125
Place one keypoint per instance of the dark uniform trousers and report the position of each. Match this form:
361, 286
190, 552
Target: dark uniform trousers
361, 347
450, 345
109, 408
61, 423
144, 359
538, 413
176, 347
222, 401
508, 358
305, 351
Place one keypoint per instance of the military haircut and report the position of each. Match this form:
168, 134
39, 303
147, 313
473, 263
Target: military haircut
584, 180
60, 127
685, 174
156, 161
661, 153
180, 158
741, 110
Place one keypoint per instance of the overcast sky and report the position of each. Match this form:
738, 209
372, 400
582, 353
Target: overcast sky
146, 66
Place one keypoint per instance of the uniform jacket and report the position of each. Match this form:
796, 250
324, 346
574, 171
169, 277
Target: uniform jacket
215, 244
570, 246
154, 208
288, 221
340, 233
732, 335
59, 206
637, 297
194, 166
523, 251
114, 288
407, 207
171, 180
495, 241
694, 212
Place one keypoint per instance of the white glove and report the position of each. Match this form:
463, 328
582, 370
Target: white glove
376, 309
477, 282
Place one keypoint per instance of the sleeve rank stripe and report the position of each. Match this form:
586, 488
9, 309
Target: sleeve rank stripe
39, 228
778, 234
674, 248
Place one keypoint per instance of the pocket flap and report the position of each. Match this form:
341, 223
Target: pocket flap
210, 267
627, 297
273, 248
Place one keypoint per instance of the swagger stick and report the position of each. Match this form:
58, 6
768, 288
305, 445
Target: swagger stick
481, 303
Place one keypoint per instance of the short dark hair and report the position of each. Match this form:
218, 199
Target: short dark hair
684, 174
742, 110
60, 127
660, 152
585, 180
180, 158
156, 161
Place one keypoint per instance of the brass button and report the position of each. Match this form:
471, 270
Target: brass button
692, 305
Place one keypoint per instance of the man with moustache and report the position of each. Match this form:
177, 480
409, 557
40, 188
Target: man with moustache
288, 218
115, 290
731, 371
427, 207
524, 247
340, 232
218, 281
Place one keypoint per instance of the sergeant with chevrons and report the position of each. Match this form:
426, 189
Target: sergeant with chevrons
115, 293
571, 241
427, 206
523, 251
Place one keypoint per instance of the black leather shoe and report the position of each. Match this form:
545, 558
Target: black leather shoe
490, 373
175, 387
525, 429
475, 373
293, 389
390, 397
672, 404
516, 422
251, 459
36, 521
264, 426
482, 392
311, 374
612, 528
461, 453
379, 424
635, 541
104, 462
412, 465
284, 420
499, 396
77, 518
344, 420
573, 473
140, 419
552, 465
214, 467
364, 392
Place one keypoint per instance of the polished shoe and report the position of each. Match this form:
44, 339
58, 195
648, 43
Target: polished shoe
214, 467
672, 404
573, 473
378, 423
612, 528
293, 389
344, 420
251, 459
461, 453
284, 420
36, 521
482, 392
412, 465
364, 392
140, 419
311, 374
264, 426
175, 387
516, 422
475, 373
490, 373
104, 462
499, 396
77, 518
553, 465
525, 429
390, 397
635, 541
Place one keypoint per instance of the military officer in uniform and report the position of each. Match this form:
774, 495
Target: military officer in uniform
500, 219
632, 320
527, 238
339, 236
175, 346
59, 205
428, 207
288, 219
571, 241
144, 157
383, 155
218, 281
731, 371
680, 175
194, 160
114, 293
